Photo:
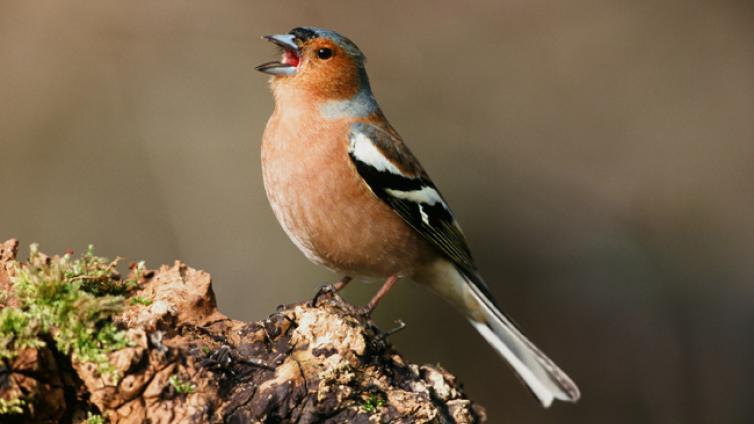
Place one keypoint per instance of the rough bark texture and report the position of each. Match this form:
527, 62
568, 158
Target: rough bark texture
188, 362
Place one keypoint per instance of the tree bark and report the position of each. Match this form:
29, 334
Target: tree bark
318, 361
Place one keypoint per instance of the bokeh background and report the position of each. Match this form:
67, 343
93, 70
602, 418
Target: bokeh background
598, 154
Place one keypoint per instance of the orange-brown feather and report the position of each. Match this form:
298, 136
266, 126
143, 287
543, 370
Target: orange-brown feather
322, 202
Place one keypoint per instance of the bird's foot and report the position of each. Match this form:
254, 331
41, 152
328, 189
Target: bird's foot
325, 289
330, 289
400, 325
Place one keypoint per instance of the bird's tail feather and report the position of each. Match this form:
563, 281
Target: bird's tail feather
545, 380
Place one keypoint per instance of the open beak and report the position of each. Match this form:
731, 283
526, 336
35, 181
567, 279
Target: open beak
291, 56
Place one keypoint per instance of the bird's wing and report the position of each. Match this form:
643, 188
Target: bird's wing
394, 175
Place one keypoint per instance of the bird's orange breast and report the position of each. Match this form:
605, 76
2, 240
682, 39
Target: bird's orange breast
324, 206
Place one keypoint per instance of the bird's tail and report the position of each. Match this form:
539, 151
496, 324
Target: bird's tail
468, 293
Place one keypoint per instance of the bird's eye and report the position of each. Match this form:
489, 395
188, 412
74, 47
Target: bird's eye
324, 53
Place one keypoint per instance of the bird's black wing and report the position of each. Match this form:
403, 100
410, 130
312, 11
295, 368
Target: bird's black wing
394, 175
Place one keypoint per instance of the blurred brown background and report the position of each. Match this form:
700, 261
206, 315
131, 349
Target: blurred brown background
598, 153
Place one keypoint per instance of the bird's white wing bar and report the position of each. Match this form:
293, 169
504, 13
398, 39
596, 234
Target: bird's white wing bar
426, 195
362, 149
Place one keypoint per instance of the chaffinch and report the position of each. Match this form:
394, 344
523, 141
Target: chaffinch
351, 195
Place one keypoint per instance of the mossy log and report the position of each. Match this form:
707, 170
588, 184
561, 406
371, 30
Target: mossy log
184, 361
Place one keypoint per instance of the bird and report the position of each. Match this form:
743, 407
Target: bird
350, 194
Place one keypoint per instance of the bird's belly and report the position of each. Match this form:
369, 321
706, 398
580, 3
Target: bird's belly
335, 220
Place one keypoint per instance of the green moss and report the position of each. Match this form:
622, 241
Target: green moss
17, 331
98, 275
180, 386
70, 301
140, 300
95, 418
12, 406
372, 404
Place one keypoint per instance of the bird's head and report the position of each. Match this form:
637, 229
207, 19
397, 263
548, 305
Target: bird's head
317, 62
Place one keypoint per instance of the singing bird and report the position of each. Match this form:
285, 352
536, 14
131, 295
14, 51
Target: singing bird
352, 197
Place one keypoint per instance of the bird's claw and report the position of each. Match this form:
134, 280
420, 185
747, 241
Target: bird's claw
399, 325
325, 289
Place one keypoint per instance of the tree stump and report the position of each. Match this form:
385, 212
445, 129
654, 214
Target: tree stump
181, 360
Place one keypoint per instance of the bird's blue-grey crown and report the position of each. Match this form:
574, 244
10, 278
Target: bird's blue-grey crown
308, 33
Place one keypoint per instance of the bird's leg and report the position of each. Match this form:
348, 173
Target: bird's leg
386, 286
341, 284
